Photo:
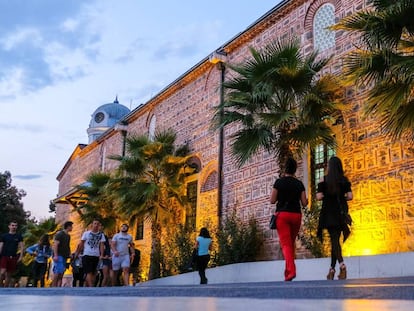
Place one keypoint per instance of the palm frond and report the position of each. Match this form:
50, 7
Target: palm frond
249, 141
272, 94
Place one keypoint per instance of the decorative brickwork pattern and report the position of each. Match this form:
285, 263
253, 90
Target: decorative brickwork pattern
381, 172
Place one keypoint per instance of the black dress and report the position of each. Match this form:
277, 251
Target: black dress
331, 216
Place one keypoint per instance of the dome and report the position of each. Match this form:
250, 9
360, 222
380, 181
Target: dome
105, 117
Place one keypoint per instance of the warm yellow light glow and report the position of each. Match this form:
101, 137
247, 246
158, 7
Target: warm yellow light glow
375, 225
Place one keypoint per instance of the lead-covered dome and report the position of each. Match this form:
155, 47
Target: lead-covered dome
105, 117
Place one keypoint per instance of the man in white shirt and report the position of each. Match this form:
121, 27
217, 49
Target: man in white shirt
92, 244
122, 247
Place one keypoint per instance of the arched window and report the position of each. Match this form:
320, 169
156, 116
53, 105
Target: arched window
152, 125
323, 38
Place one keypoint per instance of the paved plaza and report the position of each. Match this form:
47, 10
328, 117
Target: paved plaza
354, 295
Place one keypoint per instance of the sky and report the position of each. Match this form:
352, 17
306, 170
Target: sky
62, 59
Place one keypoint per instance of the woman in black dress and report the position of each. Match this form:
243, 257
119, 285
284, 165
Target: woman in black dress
334, 191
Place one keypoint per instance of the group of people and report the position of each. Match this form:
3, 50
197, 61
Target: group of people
289, 194
115, 255
94, 253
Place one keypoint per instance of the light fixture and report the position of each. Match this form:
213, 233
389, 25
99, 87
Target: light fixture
217, 57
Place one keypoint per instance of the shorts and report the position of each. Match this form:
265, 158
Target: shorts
8, 263
106, 262
122, 261
90, 264
59, 266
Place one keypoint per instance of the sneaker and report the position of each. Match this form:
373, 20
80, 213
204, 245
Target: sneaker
331, 274
342, 273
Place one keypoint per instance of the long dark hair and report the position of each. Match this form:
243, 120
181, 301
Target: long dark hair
44, 240
204, 233
334, 175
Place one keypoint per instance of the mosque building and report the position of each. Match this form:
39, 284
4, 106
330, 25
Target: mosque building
381, 171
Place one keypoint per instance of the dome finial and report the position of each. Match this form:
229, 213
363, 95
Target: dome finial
116, 100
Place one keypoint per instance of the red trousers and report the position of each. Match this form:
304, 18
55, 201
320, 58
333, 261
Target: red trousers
288, 225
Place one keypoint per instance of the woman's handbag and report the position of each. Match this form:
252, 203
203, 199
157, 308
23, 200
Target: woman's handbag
346, 218
272, 223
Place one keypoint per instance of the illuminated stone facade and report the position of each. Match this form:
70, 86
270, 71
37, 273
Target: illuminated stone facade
381, 172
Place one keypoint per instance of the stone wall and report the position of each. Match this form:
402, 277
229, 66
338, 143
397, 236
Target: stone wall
381, 172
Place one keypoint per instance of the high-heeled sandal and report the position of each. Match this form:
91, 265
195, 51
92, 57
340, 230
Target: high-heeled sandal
331, 274
342, 273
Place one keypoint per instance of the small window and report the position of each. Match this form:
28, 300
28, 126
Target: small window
139, 235
152, 125
323, 37
321, 154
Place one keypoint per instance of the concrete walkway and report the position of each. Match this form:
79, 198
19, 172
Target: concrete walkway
384, 282
358, 267
355, 295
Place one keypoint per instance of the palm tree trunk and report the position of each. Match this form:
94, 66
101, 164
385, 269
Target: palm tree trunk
155, 260
285, 153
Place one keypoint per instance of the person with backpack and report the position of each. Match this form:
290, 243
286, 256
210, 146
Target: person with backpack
42, 252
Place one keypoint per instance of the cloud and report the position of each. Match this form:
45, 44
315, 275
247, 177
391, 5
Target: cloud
22, 36
35, 53
11, 82
28, 177
32, 128
70, 25
130, 52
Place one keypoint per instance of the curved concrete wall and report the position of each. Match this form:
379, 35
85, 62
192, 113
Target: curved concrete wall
390, 265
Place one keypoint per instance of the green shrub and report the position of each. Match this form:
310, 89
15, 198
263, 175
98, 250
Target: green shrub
177, 250
237, 241
308, 233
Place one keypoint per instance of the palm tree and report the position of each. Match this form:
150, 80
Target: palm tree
280, 102
34, 231
150, 185
100, 202
384, 61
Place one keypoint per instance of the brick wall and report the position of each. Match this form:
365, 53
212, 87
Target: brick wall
381, 173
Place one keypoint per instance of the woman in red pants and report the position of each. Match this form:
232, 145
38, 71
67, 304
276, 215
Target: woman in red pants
289, 195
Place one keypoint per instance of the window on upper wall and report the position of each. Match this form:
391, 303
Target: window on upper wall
152, 125
323, 38
320, 156
139, 234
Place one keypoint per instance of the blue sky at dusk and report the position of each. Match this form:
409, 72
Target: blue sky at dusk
60, 60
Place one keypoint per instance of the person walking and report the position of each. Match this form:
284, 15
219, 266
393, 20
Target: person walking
289, 195
61, 252
77, 271
134, 267
10, 244
92, 245
123, 253
334, 191
203, 246
106, 263
42, 252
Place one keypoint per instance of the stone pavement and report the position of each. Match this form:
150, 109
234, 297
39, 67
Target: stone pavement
355, 295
